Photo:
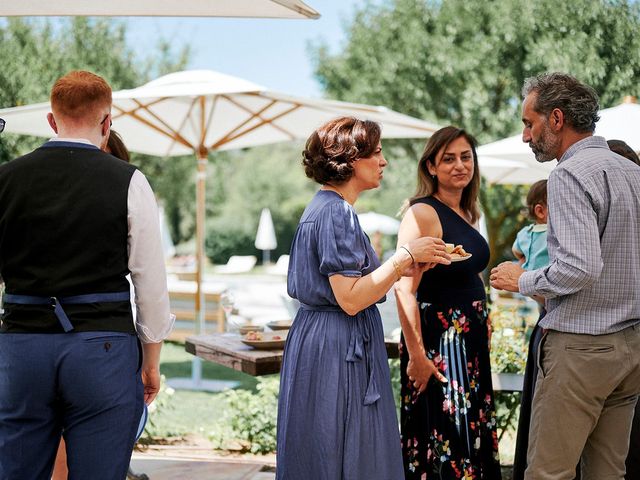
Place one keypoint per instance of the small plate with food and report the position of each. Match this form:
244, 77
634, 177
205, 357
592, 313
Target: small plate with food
244, 329
265, 340
457, 253
280, 324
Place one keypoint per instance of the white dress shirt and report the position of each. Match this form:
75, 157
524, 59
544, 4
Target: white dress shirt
153, 320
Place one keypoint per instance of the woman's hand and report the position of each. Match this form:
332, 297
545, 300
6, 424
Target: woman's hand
428, 250
419, 370
416, 269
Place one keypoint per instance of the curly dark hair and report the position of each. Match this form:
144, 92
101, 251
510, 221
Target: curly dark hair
330, 151
577, 100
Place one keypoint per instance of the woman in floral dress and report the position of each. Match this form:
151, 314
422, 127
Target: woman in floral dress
448, 424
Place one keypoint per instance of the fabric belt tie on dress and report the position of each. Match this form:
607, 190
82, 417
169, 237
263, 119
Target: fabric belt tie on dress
359, 345
320, 308
57, 302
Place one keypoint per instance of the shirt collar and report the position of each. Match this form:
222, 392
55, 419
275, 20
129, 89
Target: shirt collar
588, 142
71, 140
539, 227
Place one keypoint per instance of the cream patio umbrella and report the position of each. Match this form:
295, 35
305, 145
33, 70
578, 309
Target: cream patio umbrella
183, 8
510, 160
199, 111
376, 224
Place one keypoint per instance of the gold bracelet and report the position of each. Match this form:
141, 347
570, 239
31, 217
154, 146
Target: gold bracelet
397, 268
413, 260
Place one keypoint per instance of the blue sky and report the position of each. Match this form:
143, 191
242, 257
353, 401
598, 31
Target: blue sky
269, 52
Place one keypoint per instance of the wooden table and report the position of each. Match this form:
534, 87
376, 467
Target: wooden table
227, 349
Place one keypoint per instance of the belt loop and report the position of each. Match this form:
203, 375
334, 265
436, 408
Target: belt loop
62, 316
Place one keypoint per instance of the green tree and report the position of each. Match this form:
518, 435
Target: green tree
244, 182
35, 53
464, 62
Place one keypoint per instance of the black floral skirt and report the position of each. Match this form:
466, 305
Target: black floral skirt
449, 430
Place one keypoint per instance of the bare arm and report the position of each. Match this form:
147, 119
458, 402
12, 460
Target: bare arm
151, 370
354, 294
419, 220
518, 254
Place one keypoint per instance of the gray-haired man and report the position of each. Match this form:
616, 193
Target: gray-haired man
589, 359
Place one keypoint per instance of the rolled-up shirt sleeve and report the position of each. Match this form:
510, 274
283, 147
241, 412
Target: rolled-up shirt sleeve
154, 321
573, 237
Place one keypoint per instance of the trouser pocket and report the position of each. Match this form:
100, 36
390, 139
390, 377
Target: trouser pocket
540, 354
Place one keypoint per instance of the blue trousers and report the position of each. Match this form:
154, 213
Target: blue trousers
85, 386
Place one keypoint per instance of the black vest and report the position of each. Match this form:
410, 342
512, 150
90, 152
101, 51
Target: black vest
63, 232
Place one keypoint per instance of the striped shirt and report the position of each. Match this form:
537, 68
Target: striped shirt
592, 283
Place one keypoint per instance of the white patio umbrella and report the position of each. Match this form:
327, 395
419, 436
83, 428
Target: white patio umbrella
619, 122
152, 8
376, 225
266, 235
372, 222
510, 161
199, 111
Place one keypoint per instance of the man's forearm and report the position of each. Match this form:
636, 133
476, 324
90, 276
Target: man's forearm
151, 355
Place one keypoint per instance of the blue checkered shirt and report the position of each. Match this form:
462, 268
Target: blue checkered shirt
592, 283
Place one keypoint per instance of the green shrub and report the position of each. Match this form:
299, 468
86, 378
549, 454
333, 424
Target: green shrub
248, 421
508, 355
222, 242
394, 369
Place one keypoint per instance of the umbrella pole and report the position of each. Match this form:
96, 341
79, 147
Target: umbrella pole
200, 307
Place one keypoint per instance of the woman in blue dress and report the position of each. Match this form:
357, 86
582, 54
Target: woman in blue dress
336, 413
447, 415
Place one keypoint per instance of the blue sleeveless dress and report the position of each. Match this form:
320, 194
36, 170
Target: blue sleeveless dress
336, 413
449, 431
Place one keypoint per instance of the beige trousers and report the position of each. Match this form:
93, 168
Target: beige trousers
583, 405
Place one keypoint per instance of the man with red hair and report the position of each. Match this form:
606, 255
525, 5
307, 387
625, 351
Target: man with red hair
74, 222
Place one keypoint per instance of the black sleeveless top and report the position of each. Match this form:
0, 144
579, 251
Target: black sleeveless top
458, 283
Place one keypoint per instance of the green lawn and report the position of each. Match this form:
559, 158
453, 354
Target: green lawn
185, 411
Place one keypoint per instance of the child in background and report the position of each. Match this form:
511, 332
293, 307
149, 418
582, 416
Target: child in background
530, 247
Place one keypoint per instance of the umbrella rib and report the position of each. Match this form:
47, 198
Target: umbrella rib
209, 120
174, 134
202, 119
134, 114
184, 121
235, 133
158, 100
273, 102
224, 138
